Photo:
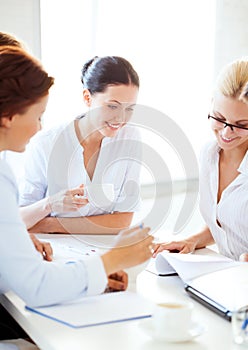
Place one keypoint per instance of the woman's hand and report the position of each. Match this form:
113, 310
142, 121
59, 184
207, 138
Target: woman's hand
61, 202
132, 247
197, 241
117, 281
184, 247
68, 200
43, 247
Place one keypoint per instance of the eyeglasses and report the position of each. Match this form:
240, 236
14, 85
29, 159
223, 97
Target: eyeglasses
218, 123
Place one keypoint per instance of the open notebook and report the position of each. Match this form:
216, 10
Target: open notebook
210, 278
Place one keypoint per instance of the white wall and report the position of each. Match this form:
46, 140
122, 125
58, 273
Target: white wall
231, 34
22, 19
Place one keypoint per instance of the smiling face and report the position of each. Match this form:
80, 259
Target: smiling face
234, 112
21, 127
110, 110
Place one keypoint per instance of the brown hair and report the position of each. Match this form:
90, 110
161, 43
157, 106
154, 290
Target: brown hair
23, 81
8, 39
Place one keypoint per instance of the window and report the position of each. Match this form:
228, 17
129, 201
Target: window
170, 44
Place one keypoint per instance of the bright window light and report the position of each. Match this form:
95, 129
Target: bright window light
169, 43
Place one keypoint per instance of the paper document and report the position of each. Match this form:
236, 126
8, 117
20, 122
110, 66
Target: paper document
165, 269
207, 276
69, 248
98, 310
190, 266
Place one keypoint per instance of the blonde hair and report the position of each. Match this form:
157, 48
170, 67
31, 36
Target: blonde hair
233, 80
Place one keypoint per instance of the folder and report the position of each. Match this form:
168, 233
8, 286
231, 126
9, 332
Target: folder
216, 290
98, 310
209, 278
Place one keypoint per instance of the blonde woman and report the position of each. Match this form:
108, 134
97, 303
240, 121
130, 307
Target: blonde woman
224, 170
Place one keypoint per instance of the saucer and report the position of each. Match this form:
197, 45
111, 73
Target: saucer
194, 331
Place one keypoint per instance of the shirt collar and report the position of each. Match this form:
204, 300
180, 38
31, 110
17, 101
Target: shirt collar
73, 135
243, 168
213, 152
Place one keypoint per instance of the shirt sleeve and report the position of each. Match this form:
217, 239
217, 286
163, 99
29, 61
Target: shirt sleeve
33, 184
23, 270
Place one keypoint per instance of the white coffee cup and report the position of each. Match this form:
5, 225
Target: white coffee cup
100, 195
173, 319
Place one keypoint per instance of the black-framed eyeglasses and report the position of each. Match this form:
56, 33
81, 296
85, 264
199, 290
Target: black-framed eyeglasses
236, 128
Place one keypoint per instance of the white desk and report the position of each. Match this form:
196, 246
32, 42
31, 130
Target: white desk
51, 335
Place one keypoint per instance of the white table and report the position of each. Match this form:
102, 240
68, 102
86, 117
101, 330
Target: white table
51, 335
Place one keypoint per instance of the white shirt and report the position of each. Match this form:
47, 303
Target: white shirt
231, 211
22, 268
54, 162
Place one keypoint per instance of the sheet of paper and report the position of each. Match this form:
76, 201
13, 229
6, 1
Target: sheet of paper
160, 267
190, 266
97, 310
69, 248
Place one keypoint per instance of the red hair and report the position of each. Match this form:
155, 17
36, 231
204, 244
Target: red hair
23, 81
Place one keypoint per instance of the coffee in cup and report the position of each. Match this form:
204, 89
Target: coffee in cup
172, 319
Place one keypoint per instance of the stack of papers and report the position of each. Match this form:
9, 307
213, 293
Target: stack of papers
209, 277
190, 266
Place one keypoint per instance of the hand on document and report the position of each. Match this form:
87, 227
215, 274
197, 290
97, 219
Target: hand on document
44, 248
184, 247
190, 266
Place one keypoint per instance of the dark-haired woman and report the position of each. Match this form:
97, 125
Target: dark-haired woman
24, 87
98, 147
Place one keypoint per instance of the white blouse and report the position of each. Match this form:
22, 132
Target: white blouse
54, 162
231, 211
22, 268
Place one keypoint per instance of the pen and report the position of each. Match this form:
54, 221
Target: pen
82, 251
245, 322
76, 250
